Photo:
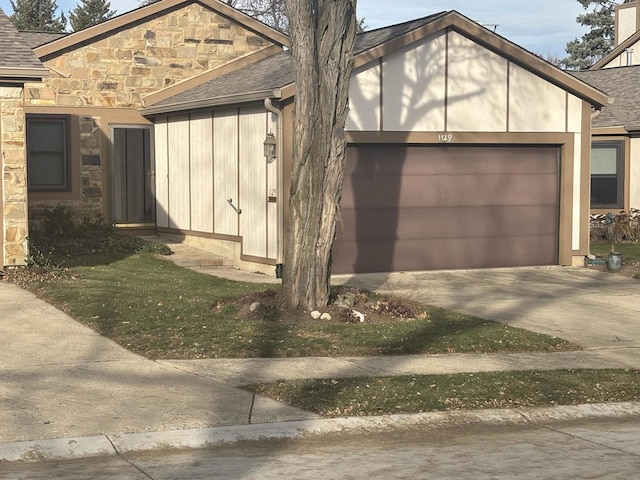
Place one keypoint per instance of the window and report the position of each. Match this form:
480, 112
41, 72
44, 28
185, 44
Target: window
48, 153
607, 174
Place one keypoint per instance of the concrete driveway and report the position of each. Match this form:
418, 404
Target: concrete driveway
597, 310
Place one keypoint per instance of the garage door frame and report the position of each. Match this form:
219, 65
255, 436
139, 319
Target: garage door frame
564, 141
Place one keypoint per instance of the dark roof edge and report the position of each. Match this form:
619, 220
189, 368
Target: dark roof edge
616, 51
212, 102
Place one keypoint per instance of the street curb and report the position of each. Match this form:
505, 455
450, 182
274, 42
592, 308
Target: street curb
90, 446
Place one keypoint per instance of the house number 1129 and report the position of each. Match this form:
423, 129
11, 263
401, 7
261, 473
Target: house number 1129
445, 137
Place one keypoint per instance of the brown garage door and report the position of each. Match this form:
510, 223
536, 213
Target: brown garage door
425, 207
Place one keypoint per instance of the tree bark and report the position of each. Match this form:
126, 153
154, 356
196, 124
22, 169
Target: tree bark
323, 35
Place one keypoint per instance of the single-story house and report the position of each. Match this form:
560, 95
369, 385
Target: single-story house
18, 65
464, 151
615, 164
94, 150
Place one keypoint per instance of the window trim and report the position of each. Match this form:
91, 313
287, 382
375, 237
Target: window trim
620, 174
65, 120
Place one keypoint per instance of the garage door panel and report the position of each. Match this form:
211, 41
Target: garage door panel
436, 254
429, 207
447, 190
445, 223
381, 160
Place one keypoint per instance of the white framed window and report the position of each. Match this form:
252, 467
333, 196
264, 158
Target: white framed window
607, 174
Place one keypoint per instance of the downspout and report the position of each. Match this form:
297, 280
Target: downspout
271, 107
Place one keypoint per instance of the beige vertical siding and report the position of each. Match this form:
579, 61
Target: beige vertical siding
162, 172
272, 187
476, 87
535, 105
201, 171
225, 171
413, 87
179, 184
253, 175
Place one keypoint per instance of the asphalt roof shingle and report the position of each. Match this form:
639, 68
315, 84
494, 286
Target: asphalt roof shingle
621, 84
37, 39
14, 53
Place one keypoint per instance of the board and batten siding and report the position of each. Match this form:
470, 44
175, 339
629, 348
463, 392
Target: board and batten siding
203, 160
448, 83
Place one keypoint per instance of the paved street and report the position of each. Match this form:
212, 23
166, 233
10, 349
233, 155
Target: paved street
604, 449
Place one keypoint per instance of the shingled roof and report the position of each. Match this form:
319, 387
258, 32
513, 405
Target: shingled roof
262, 78
37, 39
17, 62
271, 77
620, 84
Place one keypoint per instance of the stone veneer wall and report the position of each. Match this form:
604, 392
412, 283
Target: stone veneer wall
119, 69
14, 177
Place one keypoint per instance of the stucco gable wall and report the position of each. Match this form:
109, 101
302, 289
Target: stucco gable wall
118, 69
621, 60
447, 82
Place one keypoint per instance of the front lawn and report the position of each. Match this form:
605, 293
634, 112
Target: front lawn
159, 310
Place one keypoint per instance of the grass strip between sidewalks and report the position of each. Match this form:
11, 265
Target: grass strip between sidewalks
424, 393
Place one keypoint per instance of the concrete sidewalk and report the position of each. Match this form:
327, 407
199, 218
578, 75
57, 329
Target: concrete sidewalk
68, 391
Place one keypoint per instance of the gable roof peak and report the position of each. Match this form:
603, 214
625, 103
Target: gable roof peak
157, 8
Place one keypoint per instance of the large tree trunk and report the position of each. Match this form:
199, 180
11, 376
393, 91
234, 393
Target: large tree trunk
322, 34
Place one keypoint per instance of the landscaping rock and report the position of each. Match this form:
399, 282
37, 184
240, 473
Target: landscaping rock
316, 315
255, 306
346, 300
326, 317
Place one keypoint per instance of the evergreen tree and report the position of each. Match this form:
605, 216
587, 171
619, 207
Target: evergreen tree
598, 41
90, 12
37, 15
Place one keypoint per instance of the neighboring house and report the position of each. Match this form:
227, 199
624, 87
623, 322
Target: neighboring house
464, 151
615, 164
18, 65
91, 148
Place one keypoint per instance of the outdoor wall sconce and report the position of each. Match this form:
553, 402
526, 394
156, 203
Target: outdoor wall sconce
270, 147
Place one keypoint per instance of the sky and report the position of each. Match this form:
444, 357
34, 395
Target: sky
540, 26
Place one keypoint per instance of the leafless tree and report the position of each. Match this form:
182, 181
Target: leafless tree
323, 34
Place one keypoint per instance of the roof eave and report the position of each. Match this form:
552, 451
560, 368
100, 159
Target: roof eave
210, 102
21, 75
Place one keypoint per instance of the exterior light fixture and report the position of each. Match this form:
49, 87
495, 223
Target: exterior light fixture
270, 147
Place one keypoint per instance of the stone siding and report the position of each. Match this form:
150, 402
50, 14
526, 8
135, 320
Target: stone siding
14, 177
118, 69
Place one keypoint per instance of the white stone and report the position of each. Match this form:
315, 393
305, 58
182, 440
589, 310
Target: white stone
316, 315
358, 315
325, 316
254, 306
